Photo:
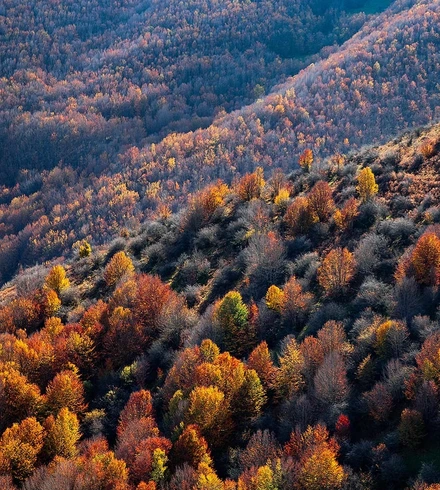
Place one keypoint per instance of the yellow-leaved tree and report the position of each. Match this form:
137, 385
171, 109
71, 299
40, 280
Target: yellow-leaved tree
62, 434
119, 266
367, 187
57, 279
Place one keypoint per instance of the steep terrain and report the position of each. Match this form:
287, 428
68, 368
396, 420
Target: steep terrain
381, 81
281, 333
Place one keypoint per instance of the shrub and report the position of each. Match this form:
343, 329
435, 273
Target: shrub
370, 252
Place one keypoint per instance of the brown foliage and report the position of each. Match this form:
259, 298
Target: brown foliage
379, 402
425, 260
190, 448
299, 216
260, 360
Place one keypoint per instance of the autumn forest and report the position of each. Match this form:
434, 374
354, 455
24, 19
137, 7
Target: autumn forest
219, 245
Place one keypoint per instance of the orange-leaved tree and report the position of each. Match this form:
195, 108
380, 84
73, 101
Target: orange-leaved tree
425, 259
250, 185
321, 201
306, 159
299, 216
336, 271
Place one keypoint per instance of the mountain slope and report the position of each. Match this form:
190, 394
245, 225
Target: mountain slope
380, 82
85, 78
252, 355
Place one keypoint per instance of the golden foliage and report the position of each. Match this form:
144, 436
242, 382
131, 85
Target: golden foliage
282, 199
19, 448
367, 187
321, 471
336, 271
119, 266
57, 279
275, 298
63, 434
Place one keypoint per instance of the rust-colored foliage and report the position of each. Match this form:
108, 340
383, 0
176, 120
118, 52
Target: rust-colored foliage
131, 435
143, 465
261, 448
190, 448
250, 185
260, 360
296, 303
425, 260
139, 405
204, 204
428, 149
336, 271
379, 402
153, 300
65, 391
18, 398
344, 218
428, 359
317, 454
342, 427
321, 201
313, 355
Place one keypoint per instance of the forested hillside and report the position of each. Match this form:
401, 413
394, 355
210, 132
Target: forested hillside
86, 130
84, 78
273, 334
